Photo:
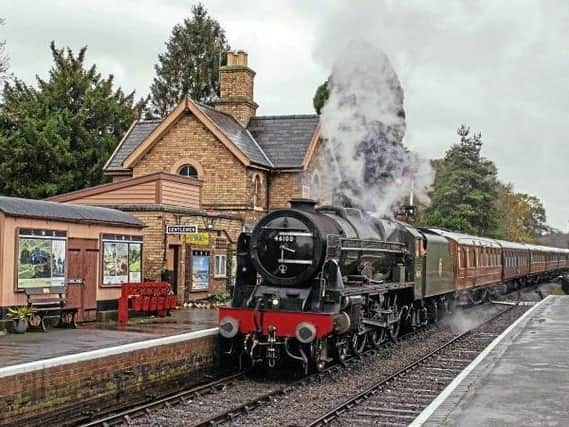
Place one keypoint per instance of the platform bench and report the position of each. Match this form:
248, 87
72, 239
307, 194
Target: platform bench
50, 303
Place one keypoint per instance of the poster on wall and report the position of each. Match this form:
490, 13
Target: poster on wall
115, 263
200, 270
134, 262
41, 262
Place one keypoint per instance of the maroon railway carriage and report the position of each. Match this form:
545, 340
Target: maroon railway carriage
515, 261
477, 260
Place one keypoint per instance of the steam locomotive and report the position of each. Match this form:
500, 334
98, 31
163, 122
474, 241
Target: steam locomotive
315, 285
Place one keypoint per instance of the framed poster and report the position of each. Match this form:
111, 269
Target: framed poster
200, 270
41, 259
134, 262
122, 260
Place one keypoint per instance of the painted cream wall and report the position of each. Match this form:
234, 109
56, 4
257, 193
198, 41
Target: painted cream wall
8, 257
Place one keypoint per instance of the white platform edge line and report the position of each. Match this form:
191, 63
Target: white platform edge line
429, 410
103, 352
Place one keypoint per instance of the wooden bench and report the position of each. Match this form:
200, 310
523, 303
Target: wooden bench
50, 303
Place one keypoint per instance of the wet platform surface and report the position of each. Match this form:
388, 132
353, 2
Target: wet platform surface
33, 346
522, 381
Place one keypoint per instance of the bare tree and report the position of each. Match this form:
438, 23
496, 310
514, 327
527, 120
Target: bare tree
4, 60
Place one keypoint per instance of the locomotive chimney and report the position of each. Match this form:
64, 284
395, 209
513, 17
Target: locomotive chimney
303, 204
236, 88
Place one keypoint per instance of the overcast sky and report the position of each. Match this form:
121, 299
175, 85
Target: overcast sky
500, 67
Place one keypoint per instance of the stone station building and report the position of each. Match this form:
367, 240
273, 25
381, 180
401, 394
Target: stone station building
216, 170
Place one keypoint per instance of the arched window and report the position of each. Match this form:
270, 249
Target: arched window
315, 190
256, 190
189, 171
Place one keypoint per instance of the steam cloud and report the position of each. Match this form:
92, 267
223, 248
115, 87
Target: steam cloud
363, 123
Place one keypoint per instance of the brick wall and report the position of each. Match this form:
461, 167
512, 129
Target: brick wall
224, 176
236, 92
46, 396
284, 186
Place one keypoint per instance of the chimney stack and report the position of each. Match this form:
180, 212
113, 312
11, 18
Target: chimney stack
236, 81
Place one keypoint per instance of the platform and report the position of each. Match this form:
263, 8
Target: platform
33, 346
521, 379
70, 374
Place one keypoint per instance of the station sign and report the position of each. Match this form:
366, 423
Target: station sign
197, 239
181, 229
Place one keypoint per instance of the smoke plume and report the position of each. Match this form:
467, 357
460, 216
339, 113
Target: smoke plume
363, 124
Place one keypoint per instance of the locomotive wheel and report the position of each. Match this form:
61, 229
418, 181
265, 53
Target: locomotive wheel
377, 337
359, 342
393, 330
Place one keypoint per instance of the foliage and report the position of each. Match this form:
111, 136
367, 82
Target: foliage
19, 313
190, 65
221, 297
465, 189
57, 137
522, 216
320, 97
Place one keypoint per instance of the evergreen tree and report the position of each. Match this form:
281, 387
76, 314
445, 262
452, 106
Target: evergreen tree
465, 189
190, 65
57, 137
320, 97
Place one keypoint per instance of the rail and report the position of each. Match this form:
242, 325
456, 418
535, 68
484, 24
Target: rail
357, 399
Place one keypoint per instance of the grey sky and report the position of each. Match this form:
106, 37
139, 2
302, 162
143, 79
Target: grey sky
500, 67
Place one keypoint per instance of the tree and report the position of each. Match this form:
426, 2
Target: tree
320, 97
522, 216
190, 65
465, 189
58, 136
4, 60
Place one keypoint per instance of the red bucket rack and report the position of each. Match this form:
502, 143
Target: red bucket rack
149, 297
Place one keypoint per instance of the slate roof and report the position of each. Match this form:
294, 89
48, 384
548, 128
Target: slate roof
275, 142
137, 134
14, 206
285, 139
238, 134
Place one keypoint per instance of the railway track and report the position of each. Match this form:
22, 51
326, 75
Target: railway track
252, 393
228, 399
399, 398
128, 415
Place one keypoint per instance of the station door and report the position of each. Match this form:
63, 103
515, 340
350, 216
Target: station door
83, 255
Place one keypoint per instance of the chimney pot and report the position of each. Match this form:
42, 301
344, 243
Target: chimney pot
242, 57
232, 58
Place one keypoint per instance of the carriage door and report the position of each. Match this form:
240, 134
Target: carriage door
83, 255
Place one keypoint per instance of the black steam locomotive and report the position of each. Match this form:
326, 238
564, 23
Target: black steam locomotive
316, 284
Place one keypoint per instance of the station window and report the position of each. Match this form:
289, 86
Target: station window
122, 259
256, 191
220, 265
189, 171
41, 258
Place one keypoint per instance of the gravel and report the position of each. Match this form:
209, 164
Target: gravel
321, 394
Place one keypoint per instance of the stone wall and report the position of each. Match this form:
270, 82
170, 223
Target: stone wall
65, 392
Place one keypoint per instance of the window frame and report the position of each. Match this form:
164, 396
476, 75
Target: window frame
217, 274
188, 165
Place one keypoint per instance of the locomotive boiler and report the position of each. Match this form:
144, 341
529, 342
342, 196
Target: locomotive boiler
317, 284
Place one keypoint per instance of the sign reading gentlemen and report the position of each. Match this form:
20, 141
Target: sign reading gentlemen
181, 229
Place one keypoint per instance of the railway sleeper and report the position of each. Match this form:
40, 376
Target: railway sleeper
391, 410
391, 415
